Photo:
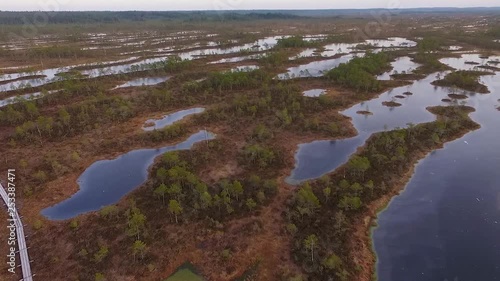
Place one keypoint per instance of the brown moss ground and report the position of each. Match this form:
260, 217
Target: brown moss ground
265, 241
263, 244
264, 237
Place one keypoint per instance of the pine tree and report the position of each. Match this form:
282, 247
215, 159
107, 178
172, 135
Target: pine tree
175, 208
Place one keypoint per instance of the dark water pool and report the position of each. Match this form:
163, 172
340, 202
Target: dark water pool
446, 223
106, 182
320, 157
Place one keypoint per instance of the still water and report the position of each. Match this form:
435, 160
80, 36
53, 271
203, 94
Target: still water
315, 68
446, 223
147, 81
402, 65
25, 97
134, 64
171, 119
313, 93
106, 182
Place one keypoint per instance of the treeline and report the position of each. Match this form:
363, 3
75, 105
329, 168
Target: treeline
24, 110
228, 81
479, 39
20, 18
68, 121
56, 51
359, 73
324, 213
33, 125
97, 109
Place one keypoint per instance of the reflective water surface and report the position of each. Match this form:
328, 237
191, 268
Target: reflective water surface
148, 81
446, 223
402, 65
21, 98
106, 182
314, 93
315, 68
170, 119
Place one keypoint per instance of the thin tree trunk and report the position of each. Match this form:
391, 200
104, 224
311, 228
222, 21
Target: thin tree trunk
312, 252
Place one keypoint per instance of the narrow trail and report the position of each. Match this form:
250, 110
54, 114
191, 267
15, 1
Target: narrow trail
21, 241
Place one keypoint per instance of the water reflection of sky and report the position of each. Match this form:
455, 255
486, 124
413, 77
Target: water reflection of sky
171, 118
446, 224
106, 182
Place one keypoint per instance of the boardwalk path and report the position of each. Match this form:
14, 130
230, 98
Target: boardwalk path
21, 241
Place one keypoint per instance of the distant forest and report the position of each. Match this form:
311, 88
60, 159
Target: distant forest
15, 18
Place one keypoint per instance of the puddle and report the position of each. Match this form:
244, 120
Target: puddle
314, 92
148, 81
105, 182
170, 119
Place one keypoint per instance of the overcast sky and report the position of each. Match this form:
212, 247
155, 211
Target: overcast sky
45, 5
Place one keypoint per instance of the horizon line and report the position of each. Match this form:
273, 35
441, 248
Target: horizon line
260, 9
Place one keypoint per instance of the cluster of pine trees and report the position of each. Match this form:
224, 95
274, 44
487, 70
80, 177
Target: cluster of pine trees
69, 120
359, 73
323, 213
178, 189
467, 80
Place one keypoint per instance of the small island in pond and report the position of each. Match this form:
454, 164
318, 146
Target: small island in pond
458, 96
391, 104
364, 112
465, 80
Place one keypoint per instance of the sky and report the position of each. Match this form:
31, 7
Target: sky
162, 5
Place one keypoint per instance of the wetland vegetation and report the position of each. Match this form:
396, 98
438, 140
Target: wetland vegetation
210, 197
466, 80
